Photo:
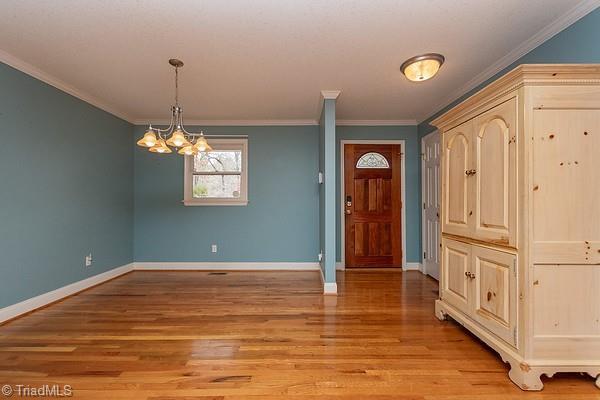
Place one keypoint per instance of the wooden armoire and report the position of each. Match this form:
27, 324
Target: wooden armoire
520, 219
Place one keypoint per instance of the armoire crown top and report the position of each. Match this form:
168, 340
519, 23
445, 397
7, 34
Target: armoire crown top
523, 75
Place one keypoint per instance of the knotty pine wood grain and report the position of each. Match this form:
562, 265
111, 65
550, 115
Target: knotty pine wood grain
260, 335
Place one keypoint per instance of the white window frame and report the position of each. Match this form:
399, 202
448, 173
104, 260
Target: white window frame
217, 144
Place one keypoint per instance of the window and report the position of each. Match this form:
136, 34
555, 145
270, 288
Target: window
218, 177
372, 160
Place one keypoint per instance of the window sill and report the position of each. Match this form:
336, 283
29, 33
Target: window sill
194, 203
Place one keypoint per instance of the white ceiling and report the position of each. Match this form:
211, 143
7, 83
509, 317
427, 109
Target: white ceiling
269, 59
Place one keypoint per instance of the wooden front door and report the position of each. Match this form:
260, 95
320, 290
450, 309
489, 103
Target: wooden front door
372, 205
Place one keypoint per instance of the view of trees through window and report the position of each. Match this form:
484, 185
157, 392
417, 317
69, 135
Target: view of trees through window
217, 174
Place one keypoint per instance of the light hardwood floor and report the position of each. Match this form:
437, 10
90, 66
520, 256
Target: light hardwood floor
262, 335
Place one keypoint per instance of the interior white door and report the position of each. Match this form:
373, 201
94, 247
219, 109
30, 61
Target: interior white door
430, 146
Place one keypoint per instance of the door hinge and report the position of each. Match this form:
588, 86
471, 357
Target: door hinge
423, 206
424, 255
515, 267
515, 335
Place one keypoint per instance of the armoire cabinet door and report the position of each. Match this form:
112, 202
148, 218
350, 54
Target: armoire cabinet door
455, 188
495, 292
495, 178
456, 269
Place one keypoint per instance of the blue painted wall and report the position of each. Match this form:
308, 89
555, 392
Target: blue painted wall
412, 179
66, 170
579, 43
280, 223
327, 142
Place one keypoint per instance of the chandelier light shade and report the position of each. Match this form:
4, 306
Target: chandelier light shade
185, 143
201, 144
188, 151
149, 139
423, 67
178, 139
161, 147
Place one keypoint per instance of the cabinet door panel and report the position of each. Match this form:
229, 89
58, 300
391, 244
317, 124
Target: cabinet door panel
455, 190
495, 294
495, 191
456, 263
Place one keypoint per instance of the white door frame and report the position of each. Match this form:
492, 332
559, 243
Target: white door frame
402, 144
436, 132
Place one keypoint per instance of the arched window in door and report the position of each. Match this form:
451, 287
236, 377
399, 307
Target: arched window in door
372, 160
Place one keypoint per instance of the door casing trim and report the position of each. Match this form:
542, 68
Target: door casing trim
402, 144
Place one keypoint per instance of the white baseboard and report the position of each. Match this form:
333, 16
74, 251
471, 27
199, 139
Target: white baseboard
328, 287
340, 266
228, 266
33, 303
413, 266
44, 299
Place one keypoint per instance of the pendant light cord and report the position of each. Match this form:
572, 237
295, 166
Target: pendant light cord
176, 86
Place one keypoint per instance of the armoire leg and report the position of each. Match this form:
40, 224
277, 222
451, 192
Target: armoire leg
439, 312
524, 377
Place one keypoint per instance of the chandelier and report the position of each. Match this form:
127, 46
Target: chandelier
176, 136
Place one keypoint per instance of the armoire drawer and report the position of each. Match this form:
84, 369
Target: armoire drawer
482, 283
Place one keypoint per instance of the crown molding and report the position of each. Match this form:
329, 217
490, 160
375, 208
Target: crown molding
38, 74
549, 31
330, 94
278, 122
376, 122
229, 122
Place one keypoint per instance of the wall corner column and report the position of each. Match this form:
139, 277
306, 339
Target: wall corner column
327, 223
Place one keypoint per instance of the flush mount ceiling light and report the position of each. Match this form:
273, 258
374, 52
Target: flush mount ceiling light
186, 143
423, 67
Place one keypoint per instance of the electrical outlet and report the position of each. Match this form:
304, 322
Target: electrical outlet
88, 260
213, 248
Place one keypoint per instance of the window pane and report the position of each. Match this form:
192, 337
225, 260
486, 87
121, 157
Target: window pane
372, 160
219, 186
218, 161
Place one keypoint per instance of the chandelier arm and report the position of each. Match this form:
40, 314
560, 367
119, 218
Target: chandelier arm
191, 135
171, 125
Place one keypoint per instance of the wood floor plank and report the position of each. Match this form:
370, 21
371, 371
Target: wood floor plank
260, 335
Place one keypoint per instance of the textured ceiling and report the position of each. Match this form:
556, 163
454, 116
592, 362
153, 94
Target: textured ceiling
266, 59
